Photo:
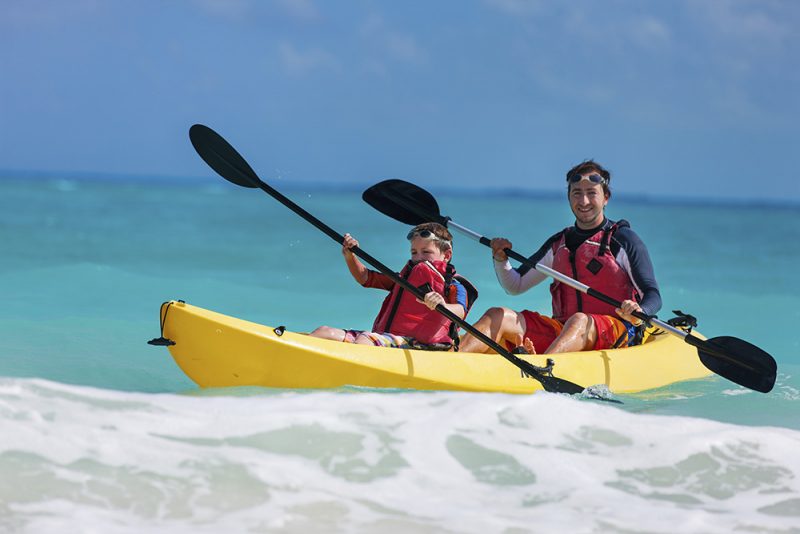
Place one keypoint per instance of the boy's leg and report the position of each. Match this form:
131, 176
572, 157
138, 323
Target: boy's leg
385, 339
328, 332
500, 324
365, 338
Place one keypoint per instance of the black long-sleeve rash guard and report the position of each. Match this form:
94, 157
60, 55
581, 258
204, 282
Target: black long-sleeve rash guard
627, 248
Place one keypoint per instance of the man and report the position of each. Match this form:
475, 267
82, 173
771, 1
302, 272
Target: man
605, 255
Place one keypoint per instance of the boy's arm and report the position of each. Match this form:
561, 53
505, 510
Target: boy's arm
357, 269
432, 299
457, 309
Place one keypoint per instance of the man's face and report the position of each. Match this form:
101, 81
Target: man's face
587, 200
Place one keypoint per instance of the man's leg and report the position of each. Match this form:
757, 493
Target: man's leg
500, 324
579, 333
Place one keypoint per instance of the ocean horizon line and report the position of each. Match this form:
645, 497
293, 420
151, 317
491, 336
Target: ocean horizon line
345, 187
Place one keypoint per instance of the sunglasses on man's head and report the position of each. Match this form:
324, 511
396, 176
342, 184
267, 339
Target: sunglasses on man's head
594, 178
425, 234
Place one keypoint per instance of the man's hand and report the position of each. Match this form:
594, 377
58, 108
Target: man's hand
627, 308
498, 245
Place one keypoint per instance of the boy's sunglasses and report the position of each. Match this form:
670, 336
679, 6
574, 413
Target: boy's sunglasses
425, 234
594, 178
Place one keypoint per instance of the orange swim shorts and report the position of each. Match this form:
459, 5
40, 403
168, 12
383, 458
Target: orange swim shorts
542, 330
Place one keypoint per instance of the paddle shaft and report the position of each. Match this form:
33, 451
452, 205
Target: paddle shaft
522, 364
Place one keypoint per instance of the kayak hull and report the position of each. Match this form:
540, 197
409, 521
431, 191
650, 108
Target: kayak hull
216, 350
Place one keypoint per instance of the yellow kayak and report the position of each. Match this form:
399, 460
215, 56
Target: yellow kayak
217, 350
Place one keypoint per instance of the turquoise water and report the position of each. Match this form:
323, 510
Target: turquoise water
108, 426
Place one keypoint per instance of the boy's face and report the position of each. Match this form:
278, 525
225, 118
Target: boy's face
426, 250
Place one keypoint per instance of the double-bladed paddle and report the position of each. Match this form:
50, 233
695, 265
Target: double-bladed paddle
229, 164
733, 358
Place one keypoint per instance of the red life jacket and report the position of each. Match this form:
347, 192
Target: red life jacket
594, 265
402, 315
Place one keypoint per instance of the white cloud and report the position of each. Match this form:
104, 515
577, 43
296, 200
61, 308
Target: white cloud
650, 32
373, 24
517, 7
300, 9
300, 62
749, 46
745, 20
719, 56
238, 10
230, 9
44, 13
404, 47
390, 43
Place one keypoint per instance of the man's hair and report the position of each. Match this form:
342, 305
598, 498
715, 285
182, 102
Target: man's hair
445, 241
589, 166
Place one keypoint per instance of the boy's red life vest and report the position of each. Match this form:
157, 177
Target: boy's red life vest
402, 315
592, 264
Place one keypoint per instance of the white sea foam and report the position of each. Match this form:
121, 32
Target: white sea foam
734, 392
367, 461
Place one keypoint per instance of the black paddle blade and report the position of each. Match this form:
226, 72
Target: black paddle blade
549, 382
222, 157
738, 361
559, 385
404, 202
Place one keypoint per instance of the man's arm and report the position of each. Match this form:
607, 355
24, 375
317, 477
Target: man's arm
518, 280
634, 257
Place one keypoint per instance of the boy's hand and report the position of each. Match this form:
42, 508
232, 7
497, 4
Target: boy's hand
348, 243
498, 245
432, 300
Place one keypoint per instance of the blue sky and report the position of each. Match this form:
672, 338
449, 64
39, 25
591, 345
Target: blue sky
681, 98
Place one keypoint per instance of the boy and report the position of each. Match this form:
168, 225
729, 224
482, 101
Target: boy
404, 321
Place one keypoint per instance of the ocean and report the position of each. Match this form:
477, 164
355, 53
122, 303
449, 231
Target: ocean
100, 432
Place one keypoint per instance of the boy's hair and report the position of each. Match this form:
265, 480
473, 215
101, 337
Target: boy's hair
441, 237
587, 166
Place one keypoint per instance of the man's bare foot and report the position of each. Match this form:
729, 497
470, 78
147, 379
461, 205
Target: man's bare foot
528, 344
525, 343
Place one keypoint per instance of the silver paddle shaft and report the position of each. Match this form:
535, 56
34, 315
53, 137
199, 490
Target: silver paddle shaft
464, 230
